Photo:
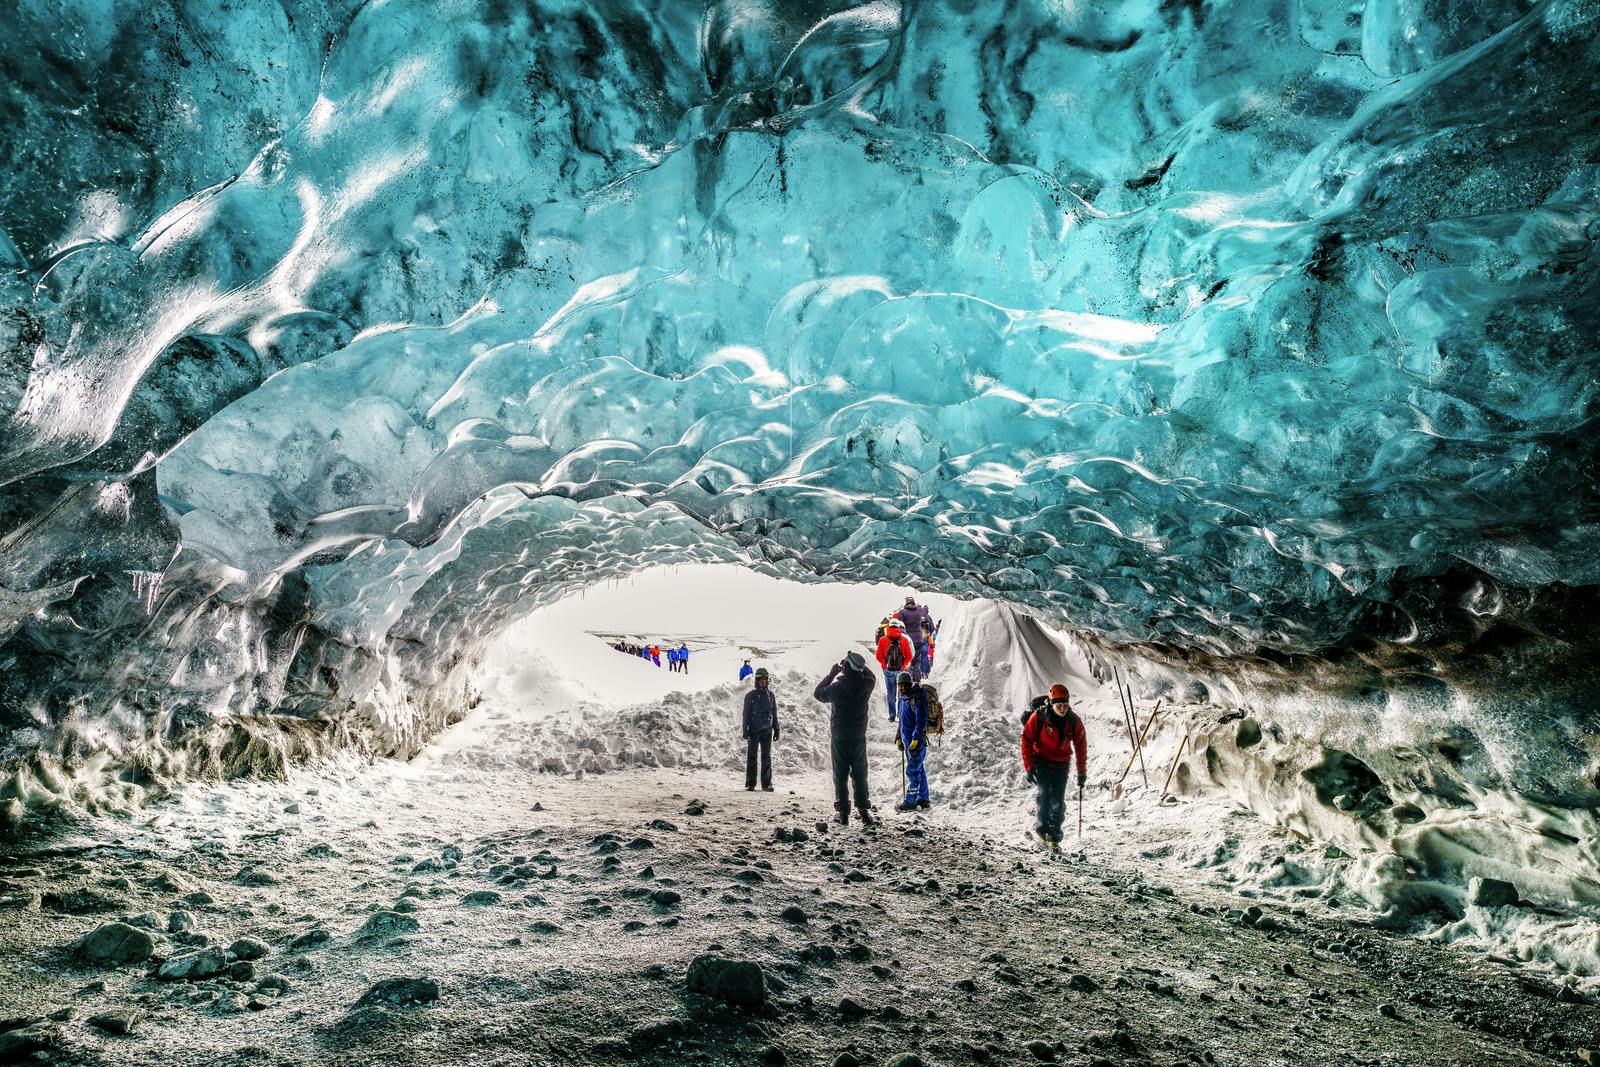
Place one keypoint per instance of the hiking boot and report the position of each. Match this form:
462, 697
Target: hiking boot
905, 805
867, 818
924, 805
750, 789
842, 818
766, 789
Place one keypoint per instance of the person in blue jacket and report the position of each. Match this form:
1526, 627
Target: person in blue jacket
683, 658
745, 671
912, 721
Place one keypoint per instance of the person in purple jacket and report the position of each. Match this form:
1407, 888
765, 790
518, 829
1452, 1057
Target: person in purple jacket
917, 622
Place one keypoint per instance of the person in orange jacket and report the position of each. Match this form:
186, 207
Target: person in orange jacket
894, 655
1053, 739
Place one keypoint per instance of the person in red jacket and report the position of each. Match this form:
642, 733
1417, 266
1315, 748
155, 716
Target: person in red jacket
1052, 739
894, 655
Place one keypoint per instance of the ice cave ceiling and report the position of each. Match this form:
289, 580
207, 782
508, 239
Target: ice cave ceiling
336, 333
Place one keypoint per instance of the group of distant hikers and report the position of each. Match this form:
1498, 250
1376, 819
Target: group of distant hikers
677, 658
1053, 737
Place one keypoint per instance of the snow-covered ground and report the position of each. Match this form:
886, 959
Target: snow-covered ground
574, 741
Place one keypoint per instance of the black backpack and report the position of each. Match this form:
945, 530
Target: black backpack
895, 660
1038, 704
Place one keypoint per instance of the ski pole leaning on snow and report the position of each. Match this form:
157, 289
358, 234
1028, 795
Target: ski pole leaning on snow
1133, 719
1130, 722
1138, 747
1175, 760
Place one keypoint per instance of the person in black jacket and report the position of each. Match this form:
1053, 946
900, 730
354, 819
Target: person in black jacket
760, 730
849, 686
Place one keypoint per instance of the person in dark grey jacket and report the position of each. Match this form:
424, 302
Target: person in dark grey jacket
760, 730
849, 687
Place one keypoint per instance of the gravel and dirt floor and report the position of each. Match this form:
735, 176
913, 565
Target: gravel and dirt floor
456, 915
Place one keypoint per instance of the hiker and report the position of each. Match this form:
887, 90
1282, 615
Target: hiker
848, 687
1052, 737
672, 660
745, 671
655, 654
917, 622
683, 658
760, 730
913, 741
894, 656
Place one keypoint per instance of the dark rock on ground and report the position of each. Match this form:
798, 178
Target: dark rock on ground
480, 897
27, 1040
386, 924
193, 966
403, 992
1042, 1051
81, 902
739, 982
1491, 893
120, 1021
114, 945
247, 948
309, 940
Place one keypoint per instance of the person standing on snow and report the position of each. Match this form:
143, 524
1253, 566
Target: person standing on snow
913, 741
760, 730
745, 671
894, 656
683, 658
848, 687
1051, 739
655, 654
917, 622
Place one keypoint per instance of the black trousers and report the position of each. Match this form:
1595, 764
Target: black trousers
763, 742
849, 766
1052, 779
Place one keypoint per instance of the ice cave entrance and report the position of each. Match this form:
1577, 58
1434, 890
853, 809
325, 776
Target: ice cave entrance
564, 653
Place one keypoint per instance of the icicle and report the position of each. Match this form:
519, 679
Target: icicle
147, 587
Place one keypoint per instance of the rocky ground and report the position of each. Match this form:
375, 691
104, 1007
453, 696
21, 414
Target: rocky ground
650, 916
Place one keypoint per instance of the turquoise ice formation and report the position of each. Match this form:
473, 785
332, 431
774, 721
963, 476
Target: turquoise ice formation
1259, 334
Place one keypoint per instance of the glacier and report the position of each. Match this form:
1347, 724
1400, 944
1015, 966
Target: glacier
1254, 341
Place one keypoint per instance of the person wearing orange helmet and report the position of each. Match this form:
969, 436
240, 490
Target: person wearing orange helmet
1053, 739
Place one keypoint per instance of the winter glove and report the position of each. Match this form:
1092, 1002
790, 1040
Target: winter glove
775, 733
745, 734
1033, 777
1080, 783
900, 743
916, 743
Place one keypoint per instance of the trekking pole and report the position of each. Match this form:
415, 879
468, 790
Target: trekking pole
1080, 812
1138, 747
1132, 726
1175, 761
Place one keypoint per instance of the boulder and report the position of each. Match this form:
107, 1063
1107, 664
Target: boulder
1491, 893
740, 982
119, 1021
193, 966
114, 945
402, 992
247, 948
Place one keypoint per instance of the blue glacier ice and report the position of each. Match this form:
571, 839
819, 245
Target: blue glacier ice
1258, 338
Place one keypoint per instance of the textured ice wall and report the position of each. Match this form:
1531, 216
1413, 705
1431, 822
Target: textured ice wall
1259, 332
